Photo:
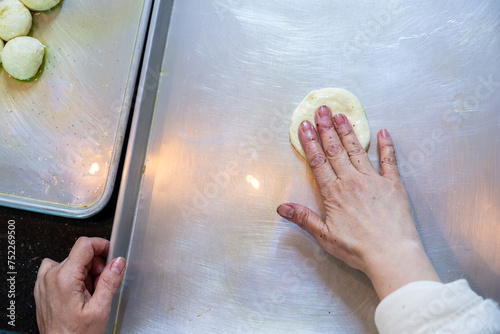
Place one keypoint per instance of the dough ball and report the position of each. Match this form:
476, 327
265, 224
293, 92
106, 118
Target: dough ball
40, 5
15, 19
340, 101
22, 57
1, 48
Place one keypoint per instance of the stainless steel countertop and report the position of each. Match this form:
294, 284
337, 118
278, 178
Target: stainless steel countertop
207, 252
62, 134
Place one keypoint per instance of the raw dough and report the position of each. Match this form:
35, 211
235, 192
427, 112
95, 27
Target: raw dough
1, 48
40, 5
22, 57
15, 19
339, 101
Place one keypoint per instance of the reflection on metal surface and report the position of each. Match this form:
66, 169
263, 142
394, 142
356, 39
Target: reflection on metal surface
76, 112
94, 168
204, 239
253, 181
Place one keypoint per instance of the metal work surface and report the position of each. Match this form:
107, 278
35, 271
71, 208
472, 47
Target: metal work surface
207, 252
62, 133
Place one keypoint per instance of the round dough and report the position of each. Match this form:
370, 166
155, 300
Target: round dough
40, 5
1, 48
22, 57
15, 19
339, 101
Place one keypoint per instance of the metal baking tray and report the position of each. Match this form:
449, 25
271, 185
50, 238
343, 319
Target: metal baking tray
211, 160
62, 133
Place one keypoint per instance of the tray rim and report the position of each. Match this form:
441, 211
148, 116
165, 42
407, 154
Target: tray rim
138, 142
85, 211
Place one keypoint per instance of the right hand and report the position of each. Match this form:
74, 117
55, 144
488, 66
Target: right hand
75, 296
369, 222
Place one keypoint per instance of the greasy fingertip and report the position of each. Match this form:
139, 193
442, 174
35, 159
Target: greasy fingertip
339, 120
306, 126
286, 211
118, 266
383, 133
384, 140
324, 111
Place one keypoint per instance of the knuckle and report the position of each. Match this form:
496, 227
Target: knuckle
317, 160
390, 160
325, 126
355, 151
334, 150
82, 241
302, 218
59, 279
345, 130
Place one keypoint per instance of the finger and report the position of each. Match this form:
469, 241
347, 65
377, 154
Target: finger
108, 283
355, 151
387, 156
304, 217
333, 147
98, 265
45, 266
322, 170
96, 280
89, 284
84, 250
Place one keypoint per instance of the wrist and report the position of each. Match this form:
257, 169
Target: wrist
402, 264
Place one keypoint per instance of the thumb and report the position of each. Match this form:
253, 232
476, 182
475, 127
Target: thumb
302, 216
109, 281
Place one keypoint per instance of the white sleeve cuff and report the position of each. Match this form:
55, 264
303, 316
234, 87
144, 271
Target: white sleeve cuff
433, 307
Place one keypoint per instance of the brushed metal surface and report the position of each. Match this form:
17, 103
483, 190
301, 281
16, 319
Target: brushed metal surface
207, 252
62, 133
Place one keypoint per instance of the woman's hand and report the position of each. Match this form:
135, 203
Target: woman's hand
369, 223
75, 296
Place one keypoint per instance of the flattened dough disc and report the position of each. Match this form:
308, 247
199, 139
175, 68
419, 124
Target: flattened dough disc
339, 101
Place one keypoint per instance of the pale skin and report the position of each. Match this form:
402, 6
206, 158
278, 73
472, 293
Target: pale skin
369, 222
75, 296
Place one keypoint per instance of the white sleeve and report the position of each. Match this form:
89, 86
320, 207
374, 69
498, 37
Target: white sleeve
433, 307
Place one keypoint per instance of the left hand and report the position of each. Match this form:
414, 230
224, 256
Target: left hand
75, 296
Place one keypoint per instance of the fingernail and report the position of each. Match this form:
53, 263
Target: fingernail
306, 126
118, 266
285, 211
384, 133
324, 111
339, 120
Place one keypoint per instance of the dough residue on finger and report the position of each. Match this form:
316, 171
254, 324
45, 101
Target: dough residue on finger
339, 101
